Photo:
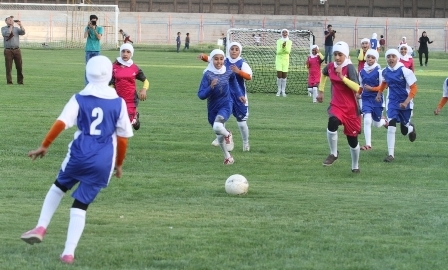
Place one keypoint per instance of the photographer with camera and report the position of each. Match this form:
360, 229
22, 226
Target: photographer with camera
93, 33
11, 48
329, 38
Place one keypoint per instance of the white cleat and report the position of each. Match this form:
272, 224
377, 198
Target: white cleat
246, 147
215, 142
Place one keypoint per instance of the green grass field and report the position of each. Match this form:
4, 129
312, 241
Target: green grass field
170, 210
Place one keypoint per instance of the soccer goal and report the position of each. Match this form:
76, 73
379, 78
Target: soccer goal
62, 25
259, 51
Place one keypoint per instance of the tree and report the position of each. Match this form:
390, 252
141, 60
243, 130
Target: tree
310, 7
414, 8
433, 9
133, 6
402, 8
371, 8
240, 6
347, 5
277, 7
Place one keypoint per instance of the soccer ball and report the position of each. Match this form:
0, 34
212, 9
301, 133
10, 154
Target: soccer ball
236, 185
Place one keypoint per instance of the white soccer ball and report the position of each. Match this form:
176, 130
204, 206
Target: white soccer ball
237, 185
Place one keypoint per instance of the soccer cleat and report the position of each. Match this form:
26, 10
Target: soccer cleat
229, 161
389, 158
229, 142
136, 122
36, 235
215, 142
413, 134
330, 160
356, 171
246, 147
68, 259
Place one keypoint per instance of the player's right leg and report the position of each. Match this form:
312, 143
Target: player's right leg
51, 203
332, 137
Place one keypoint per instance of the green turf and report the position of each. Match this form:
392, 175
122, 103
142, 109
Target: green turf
170, 210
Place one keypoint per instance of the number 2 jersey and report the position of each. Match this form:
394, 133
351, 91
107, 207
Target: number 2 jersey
92, 152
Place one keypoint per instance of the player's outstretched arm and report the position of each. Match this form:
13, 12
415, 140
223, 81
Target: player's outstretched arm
55, 130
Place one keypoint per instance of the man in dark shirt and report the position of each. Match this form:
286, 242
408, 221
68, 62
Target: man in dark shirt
330, 34
12, 51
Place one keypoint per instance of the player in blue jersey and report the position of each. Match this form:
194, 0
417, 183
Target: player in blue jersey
372, 108
244, 72
374, 42
216, 86
402, 89
99, 146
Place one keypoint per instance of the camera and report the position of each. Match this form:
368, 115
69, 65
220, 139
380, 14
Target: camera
334, 31
322, 2
93, 22
16, 21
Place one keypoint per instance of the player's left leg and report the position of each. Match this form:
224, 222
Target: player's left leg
241, 113
406, 127
354, 152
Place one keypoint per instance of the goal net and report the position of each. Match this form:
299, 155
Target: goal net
62, 25
259, 51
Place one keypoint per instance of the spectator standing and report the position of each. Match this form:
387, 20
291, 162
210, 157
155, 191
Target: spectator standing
330, 35
93, 34
178, 41
382, 43
423, 48
11, 42
187, 42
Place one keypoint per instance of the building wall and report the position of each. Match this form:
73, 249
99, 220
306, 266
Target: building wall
357, 8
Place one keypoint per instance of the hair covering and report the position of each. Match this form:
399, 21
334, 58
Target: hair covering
374, 36
342, 47
311, 50
374, 53
365, 40
397, 54
231, 60
126, 46
408, 52
211, 67
281, 34
99, 74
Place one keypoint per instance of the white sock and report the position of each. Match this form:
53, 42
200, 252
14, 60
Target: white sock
279, 85
410, 129
283, 85
51, 203
314, 94
368, 128
333, 142
354, 152
219, 129
244, 130
391, 139
379, 124
75, 229
223, 146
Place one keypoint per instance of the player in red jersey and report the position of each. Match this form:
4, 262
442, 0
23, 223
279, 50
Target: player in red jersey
124, 74
343, 108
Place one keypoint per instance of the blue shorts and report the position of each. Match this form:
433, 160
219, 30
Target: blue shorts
85, 192
402, 116
240, 111
373, 107
224, 111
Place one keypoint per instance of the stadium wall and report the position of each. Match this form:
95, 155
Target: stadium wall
357, 8
161, 28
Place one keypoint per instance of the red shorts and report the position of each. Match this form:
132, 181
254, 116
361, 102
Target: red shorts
351, 122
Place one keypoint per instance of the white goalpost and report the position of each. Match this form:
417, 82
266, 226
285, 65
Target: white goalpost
62, 25
259, 51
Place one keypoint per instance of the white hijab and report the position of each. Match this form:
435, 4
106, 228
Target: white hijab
408, 52
211, 66
126, 46
397, 54
372, 52
342, 47
99, 73
231, 60
311, 51
281, 34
